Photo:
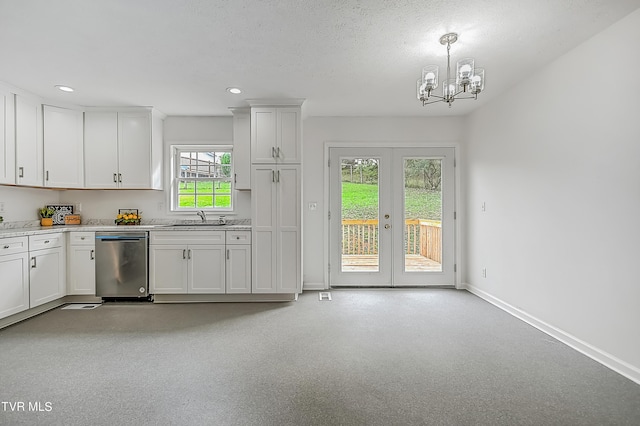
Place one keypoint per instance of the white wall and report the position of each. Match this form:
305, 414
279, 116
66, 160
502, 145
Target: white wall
21, 203
104, 204
317, 131
557, 164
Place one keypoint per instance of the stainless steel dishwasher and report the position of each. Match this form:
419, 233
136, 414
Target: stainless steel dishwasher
122, 264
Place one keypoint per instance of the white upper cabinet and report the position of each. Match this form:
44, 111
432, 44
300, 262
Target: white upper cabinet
123, 149
29, 149
101, 149
275, 135
242, 148
63, 148
7, 137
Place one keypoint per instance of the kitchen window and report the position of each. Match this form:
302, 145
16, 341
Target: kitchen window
202, 178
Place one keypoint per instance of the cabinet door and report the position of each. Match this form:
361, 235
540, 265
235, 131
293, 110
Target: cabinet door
46, 276
289, 272
206, 269
82, 270
101, 150
14, 285
168, 269
28, 142
289, 133
134, 150
242, 149
7, 137
238, 269
263, 135
63, 148
263, 234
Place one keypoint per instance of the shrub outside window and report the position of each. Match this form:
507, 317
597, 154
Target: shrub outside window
202, 178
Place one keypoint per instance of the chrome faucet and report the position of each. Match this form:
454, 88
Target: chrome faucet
202, 215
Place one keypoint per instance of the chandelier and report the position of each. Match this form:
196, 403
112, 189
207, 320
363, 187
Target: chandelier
468, 81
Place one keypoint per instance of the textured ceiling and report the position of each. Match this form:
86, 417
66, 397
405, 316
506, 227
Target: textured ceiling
348, 57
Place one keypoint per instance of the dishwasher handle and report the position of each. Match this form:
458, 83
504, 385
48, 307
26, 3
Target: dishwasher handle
113, 238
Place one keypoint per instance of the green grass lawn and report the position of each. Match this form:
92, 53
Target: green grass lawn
204, 196
360, 201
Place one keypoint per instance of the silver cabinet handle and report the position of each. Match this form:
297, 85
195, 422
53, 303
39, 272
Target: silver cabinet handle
278, 152
6, 247
82, 238
119, 177
33, 262
20, 171
184, 253
46, 175
115, 177
46, 241
93, 255
189, 254
273, 176
227, 254
273, 152
278, 178
235, 178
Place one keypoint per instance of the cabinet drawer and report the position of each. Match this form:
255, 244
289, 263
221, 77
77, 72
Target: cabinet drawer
13, 245
238, 237
82, 238
186, 237
37, 242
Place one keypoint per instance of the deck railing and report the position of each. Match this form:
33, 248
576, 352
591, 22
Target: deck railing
423, 237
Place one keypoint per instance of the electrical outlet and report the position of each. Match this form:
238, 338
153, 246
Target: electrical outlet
484, 272
1, 206
78, 207
313, 206
484, 206
160, 206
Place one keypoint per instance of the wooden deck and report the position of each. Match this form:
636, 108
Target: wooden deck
369, 262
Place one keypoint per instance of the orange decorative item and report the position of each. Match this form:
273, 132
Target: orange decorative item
128, 217
46, 221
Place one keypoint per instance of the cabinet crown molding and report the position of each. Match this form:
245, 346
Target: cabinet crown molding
275, 102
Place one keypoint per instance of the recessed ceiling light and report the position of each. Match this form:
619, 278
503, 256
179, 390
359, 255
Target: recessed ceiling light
64, 88
234, 90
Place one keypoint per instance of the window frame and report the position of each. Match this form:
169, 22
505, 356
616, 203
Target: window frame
176, 179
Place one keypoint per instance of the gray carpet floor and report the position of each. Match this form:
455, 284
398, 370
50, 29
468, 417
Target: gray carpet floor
368, 357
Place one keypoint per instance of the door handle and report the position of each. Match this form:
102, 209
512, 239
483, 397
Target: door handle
93, 254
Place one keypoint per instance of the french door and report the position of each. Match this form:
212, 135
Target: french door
391, 217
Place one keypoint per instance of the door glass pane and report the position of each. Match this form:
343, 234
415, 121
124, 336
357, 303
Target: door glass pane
422, 215
360, 206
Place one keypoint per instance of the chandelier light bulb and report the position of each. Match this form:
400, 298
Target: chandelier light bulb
465, 84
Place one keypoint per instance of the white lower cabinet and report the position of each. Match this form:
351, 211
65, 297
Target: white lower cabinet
82, 264
186, 262
14, 270
206, 262
238, 262
46, 268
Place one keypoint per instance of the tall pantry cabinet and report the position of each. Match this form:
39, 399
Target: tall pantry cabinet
276, 198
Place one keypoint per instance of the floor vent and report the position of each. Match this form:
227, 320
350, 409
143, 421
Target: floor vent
83, 306
324, 295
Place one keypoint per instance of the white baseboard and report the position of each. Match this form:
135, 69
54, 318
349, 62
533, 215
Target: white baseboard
313, 286
629, 371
